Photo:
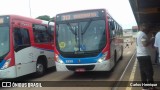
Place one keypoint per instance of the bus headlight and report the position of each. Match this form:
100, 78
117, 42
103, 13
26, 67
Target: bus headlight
103, 58
58, 59
6, 64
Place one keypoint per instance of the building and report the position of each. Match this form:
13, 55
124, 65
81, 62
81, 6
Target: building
129, 35
134, 31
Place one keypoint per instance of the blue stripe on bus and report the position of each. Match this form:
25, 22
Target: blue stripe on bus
2, 63
80, 60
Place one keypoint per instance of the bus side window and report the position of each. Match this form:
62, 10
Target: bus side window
25, 36
41, 34
17, 37
21, 37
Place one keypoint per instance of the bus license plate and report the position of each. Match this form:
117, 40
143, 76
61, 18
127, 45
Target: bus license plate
80, 70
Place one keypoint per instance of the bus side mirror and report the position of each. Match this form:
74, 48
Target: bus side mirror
50, 32
49, 29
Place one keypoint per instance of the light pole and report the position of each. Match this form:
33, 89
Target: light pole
29, 8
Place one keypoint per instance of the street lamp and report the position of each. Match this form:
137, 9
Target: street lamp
29, 8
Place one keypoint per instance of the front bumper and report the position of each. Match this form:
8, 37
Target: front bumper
8, 72
104, 66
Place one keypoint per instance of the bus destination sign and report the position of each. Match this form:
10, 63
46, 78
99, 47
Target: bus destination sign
79, 16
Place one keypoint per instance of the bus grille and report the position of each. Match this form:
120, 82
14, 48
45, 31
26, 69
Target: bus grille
86, 67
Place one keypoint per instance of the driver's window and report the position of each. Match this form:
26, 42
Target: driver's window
21, 37
111, 29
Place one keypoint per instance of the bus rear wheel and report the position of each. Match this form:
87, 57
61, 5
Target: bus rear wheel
115, 59
40, 69
121, 57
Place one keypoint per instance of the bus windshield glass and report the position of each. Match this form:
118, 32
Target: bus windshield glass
4, 40
81, 36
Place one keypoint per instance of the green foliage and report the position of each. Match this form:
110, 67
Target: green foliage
44, 17
52, 19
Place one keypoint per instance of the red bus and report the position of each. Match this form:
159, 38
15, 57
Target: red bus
26, 46
87, 40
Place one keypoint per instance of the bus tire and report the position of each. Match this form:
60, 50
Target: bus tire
40, 68
115, 58
121, 57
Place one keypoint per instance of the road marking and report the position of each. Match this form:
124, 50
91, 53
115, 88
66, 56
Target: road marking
131, 78
120, 79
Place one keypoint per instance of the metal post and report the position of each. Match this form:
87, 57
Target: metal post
29, 8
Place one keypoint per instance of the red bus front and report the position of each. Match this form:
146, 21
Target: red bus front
7, 62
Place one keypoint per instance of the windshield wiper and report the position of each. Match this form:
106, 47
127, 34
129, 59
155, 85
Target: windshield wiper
86, 26
74, 32
70, 28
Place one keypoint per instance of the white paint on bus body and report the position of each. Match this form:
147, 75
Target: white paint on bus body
25, 62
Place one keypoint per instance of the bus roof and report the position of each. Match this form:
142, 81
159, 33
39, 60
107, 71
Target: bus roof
82, 11
29, 19
81, 14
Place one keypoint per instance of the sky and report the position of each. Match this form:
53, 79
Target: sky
120, 10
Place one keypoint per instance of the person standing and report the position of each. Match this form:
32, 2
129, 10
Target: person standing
143, 56
127, 45
157, 45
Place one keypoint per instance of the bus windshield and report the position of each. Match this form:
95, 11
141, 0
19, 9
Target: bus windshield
82, 36
4, 40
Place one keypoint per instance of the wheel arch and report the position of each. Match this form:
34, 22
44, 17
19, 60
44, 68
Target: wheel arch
43, 59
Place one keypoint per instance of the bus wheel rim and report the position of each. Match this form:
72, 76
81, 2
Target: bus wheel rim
40, 68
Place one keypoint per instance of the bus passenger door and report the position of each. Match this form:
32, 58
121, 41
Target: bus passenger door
22, 50
43, 41
112, 42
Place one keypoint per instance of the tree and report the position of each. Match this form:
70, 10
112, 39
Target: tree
44, 17
52, 19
